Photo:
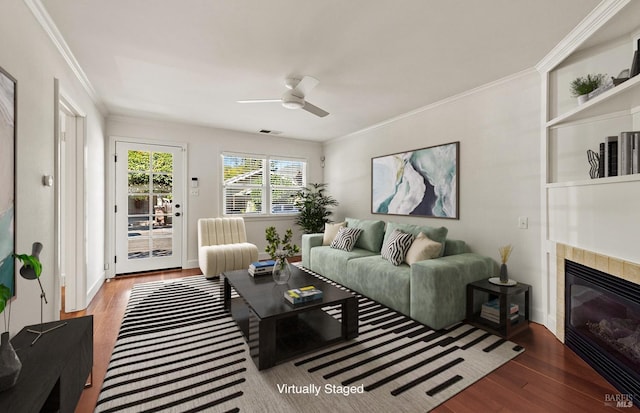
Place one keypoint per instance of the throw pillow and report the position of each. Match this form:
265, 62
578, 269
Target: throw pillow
436, 234
396, 246
330, 232
346, 238
423, 248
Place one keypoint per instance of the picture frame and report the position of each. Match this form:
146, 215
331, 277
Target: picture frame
8, 111
423, 182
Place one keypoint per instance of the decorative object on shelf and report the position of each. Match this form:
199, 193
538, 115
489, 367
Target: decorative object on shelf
594, 162
10, 364
622, 77
31, 270
422, 182
582, 86
504, 256
313, 206
635, 64
279, 250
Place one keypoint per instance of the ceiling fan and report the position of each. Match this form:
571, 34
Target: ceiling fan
294, 98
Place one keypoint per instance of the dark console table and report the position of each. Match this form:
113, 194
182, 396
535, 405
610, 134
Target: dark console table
54, 370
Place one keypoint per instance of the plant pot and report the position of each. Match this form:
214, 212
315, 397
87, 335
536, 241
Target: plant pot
582, 99
10, 364
281, 271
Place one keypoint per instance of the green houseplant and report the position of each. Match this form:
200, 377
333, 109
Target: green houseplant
582, 86
313, 205
279, 249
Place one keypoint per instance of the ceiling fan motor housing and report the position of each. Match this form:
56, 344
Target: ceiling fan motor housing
291, 101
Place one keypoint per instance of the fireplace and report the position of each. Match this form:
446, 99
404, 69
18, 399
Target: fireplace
602, 324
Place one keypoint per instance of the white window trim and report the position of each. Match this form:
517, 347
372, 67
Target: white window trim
266, 187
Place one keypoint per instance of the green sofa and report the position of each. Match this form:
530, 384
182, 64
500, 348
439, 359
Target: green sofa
430, 291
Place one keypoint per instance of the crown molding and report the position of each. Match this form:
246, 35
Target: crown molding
441, 102
585, 29
42, 16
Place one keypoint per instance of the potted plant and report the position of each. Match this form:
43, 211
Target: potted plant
582, 86
279, 249
313, 206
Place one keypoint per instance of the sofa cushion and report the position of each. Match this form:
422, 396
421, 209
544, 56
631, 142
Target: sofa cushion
396, 246
436, 234
346, 238
423, 248
380, 280
330, 231
332, 263
372, 233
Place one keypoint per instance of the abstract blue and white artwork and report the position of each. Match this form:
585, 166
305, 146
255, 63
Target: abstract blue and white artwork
7, 179
422, 182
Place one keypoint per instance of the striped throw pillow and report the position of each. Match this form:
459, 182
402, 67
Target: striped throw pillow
346, 238
396, 246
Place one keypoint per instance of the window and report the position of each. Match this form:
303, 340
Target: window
261, 185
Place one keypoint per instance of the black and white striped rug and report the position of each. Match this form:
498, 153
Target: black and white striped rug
178, 351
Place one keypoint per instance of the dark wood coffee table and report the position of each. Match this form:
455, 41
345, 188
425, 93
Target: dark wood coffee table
276, 330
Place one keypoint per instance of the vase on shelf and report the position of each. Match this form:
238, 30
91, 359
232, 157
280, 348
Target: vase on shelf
582, 99
504, 276
281, 271
10, 365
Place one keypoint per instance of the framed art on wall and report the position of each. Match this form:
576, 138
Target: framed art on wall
7, 178
422, 182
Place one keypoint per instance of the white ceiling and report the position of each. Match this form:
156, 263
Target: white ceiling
191, 60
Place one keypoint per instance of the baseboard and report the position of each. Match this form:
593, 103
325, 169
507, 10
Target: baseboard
95, 288
191, 264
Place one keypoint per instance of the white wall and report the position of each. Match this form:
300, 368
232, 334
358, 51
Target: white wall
498, 127
28, 54
204, 146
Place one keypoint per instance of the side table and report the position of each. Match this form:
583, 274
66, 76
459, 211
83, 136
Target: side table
506, 296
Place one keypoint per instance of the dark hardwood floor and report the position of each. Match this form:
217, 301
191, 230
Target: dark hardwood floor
547, 377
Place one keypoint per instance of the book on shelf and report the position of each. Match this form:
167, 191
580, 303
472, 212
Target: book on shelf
496, 318
261, 267
628, 154
611, 156
303, 294
493, 307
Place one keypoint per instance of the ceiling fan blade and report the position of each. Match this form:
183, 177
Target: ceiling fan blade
260, 101
305, 85
315, 110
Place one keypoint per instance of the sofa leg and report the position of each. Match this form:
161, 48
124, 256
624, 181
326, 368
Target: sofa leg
213, 277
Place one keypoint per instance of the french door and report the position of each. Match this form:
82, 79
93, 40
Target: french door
148, 214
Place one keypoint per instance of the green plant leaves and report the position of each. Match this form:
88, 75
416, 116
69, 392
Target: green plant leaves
5, 296
30, 261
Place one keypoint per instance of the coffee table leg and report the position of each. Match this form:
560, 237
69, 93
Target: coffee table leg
265, 338
350, 318
226, 294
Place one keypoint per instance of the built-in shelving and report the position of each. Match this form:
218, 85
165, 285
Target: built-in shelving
622, 98
597, 181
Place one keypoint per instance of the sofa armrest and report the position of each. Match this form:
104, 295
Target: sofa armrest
438, 287
309, 241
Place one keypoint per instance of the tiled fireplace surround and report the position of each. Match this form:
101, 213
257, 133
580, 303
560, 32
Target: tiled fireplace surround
619, 268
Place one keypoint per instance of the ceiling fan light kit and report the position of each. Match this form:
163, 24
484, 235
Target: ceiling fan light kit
291, 101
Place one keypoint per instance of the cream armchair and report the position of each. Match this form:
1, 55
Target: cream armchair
223, 246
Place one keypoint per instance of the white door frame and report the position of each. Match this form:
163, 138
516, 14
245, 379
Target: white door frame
70, 249
110, 244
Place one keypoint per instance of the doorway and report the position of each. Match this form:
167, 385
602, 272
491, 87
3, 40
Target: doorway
70, 208
149, 211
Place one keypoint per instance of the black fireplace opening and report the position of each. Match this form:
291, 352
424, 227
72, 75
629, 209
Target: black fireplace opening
602, 325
